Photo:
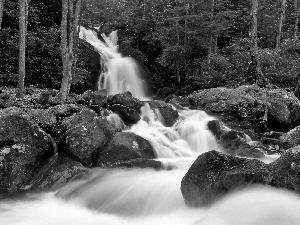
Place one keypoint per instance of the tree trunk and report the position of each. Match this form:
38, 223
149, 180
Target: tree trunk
297, 90
254, 46
186, 25
1, 11
281, 15
69, 26
22, 47
215, 44
296, 8
210, 38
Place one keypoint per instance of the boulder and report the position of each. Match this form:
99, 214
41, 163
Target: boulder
60, 173
45, 119
233, 142
245, 107
76, 119
167, 113
214, 174
291, 138
98, 98
286, 170
128, 115
126, 99
24, 148
86, 140
64, 110
123, 147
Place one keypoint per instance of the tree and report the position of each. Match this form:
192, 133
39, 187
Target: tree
210, 38
22, 46
296, 11
254, 47
1, 11
69, 28
281, 15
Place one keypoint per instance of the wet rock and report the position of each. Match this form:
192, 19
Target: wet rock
168, 115
98, 98
214, 174
24, 148
233, 142
123, 147
215, 127
86, 140
76, 119
291, 138
243, 108
60, 173
126, 99
128, 115
139, 162
286, 170
92, 60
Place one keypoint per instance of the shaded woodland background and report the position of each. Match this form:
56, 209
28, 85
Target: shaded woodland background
182, 46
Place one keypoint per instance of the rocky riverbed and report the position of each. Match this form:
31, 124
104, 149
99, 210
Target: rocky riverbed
45, 143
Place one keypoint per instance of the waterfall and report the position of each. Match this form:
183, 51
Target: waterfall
119, 74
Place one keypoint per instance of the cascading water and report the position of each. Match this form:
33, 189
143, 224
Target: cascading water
145, 196
119, 73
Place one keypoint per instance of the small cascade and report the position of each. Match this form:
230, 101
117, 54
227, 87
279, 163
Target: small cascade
119, 74
176, 146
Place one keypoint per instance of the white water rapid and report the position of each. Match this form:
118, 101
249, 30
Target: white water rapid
119, 74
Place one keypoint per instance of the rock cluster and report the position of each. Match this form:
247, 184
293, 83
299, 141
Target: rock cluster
214, 174
45, 145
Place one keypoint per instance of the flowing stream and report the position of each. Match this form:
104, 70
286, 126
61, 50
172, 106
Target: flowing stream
150, 197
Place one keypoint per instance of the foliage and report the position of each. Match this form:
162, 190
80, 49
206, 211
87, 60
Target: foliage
168, 38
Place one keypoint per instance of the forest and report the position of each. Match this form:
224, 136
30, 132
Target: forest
181, 45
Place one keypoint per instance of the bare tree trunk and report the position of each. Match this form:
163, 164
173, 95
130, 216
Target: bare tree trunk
281, 15
210, 38
69, 26
22, 47
254, 46
215, 44
185, 25
296, 8
178, 42
297, 90
1, 11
